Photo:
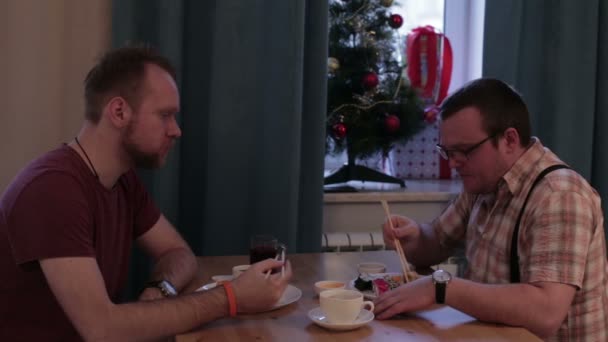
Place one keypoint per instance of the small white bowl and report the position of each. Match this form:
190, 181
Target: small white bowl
222, 277
238, 269
323, 285
371, 267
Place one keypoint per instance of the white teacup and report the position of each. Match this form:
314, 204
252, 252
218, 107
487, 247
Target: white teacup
238, 269
343, 306
371, 267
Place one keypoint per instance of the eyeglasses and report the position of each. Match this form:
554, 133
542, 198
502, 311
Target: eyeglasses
459, 154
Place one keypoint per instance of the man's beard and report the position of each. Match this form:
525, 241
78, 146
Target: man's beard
139, 158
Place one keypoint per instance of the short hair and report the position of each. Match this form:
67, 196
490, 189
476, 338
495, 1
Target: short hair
120, 72
500, 106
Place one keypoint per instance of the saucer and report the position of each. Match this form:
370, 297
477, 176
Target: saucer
317, 316
292, 294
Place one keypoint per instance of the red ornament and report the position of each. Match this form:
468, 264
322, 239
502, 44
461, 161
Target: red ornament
339, 131
430, 114
395, 21
370, 80
392, 123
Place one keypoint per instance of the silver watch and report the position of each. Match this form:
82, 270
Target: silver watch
441, 278
165, 287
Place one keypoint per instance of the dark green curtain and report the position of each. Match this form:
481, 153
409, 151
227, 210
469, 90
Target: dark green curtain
252, 76
554, 52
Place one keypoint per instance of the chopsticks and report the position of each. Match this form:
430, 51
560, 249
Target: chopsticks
404, 265
282, 257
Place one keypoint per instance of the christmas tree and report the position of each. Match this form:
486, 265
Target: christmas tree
371, 105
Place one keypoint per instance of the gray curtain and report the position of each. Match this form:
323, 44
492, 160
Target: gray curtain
252, 76
555, 52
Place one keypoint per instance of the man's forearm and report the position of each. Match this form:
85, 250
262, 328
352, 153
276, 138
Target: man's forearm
178, 266
426, 250
144, 321
524, 305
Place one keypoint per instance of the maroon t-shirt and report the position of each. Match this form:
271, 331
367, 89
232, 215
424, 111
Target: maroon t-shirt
55, 207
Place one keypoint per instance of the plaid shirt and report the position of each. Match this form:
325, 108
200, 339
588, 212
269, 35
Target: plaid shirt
561, 238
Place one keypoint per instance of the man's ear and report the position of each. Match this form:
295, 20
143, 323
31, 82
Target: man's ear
511, 137
118, 111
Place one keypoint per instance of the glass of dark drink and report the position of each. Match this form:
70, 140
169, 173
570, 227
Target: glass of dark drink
263, 247
266, 247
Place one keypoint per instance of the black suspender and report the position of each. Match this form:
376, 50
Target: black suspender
514, 254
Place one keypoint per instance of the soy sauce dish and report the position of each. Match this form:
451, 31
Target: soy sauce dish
323, 285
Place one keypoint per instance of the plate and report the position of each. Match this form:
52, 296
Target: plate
207, 287
368, 294
317, 316
292, 294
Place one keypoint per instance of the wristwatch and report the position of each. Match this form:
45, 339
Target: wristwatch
165, 287
441, 278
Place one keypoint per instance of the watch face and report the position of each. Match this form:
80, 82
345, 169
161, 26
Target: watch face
167, 288
442, 276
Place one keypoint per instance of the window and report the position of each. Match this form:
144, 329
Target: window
461, 21
464, 27
417, 13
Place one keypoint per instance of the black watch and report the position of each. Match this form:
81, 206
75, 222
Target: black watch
165, 287
441, 278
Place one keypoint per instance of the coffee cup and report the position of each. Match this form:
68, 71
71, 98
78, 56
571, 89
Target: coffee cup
342, 306
238, 269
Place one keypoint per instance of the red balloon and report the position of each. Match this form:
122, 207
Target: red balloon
370, 80
395, 21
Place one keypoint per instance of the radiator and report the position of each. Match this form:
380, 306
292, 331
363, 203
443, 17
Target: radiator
344, 241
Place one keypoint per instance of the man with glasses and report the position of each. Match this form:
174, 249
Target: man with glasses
533, 231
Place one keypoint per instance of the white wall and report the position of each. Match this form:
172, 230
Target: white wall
46, 49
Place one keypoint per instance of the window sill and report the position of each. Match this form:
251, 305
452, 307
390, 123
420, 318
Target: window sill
416, 190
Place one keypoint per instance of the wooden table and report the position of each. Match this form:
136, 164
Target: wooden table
291, 323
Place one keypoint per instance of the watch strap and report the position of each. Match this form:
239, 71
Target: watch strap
440, 292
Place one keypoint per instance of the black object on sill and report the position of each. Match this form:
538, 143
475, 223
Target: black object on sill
338, 188
351, 171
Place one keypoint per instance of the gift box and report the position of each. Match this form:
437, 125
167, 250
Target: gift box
415, 159
418, 157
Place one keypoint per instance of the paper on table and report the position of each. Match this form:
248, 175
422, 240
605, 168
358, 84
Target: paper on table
444, 317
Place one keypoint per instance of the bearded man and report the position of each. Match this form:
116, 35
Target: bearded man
69, 219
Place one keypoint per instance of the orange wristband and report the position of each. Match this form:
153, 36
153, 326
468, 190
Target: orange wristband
231, 298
